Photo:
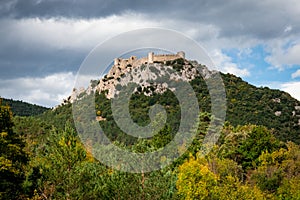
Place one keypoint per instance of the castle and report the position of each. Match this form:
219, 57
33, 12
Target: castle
120, 64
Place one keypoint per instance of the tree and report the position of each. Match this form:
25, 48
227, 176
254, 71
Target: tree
195, 180
278, 172
13, 158
213, 179
63, 162
245, 144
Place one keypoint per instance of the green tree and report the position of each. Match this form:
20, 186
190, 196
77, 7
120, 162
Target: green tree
245, 144
68, 170
278, 172
13, 158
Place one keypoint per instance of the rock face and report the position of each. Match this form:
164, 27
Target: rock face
145, 71
278, 113
139, 70
74, 95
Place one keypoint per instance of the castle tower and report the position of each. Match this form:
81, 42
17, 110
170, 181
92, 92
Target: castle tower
181, 54
150, 57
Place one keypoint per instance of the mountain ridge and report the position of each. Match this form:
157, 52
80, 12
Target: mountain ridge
21, 108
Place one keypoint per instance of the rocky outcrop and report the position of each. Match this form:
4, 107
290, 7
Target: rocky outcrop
144, 72
146, 75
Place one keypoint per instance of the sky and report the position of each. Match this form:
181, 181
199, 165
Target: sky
44, 42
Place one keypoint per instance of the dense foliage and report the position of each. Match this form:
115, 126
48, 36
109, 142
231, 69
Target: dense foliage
247, 163
21, 108
13, 158
257, 155
249, 104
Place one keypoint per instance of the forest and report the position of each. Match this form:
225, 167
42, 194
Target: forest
257, 155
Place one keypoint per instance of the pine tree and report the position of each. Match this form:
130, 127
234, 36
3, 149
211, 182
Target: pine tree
13, 158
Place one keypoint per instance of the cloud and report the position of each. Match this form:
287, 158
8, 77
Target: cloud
260, 19
35, 47
68, 33
44, 37
293, 88
233, 69
296, 74
224, 64
47, 91
59, 37
284, 54
52, 45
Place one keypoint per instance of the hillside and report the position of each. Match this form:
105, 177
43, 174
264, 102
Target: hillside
246, 104
252, 159
275, 109
21, 108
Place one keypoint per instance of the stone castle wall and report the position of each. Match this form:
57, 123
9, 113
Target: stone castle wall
121, 64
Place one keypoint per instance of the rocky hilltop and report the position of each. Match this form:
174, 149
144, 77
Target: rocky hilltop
142, 70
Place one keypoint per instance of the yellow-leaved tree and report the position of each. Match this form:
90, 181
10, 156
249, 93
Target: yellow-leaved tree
213, 178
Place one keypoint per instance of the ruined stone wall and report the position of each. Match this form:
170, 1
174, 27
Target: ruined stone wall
120, 64
163, 58
166, 57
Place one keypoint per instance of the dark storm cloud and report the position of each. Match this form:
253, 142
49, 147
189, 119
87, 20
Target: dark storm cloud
251, 19
34, 62
68, 8
259, 19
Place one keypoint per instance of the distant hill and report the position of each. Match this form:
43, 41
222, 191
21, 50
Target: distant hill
21, 108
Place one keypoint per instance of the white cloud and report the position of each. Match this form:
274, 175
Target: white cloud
288, 29
296, 74
224, 64
283, 54
78, 34
293, 88
68, 33
47, 91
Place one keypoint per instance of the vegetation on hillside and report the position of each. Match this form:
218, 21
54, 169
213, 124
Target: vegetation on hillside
13, 157
247, 163
21, 108
256, 157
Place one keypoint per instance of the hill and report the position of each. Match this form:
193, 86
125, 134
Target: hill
21, 108
246, 104
248, 162
275, 109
